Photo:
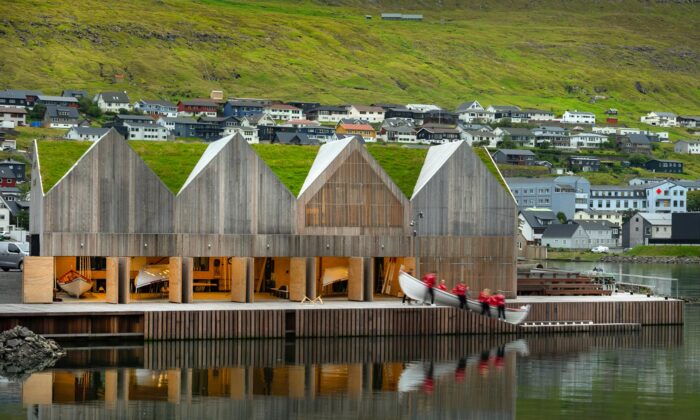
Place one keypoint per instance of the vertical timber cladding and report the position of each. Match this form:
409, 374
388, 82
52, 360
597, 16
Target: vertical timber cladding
459, 197
38, 280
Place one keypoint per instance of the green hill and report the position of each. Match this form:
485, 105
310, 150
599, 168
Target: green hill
632, 55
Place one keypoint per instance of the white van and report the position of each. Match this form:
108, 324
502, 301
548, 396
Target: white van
12, 255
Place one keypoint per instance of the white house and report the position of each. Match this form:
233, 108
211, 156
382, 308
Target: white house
372, 114
258, 120
4, 216
687, 147
113, 101
283, 112
249, 133
147, 131
538, 115
612, 217
473, 112
86, 133
471, 137
11, 117
578, 117
660, 119
587, 140
568, 236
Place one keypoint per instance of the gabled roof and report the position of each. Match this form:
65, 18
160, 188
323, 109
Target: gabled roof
517, 152
283, 106
560, 231
90, 131
466, 106
505, 107
437, 156
580, 113
638, 139
367, 108
200, 102
125, 117
115, 97
534, 217
246, 103
69, 112
73, 92
589, 225
294, 137
210, 153
665, 114
362, 127
70, 99
157, 102
657, 218
12, 110
326, 155
517, 131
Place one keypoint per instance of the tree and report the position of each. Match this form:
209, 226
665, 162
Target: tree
507, 143
638, 160
693, 203
562, 217
22, 220
544, 145
89, 108
37, 112
627, 215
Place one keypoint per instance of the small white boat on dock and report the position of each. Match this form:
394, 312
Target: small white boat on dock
152, 275
416, 289
74, 283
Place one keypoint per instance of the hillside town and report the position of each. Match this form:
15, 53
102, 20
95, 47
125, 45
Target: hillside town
544, 155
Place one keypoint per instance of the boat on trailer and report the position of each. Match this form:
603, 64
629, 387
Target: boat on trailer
74, 283
415, 289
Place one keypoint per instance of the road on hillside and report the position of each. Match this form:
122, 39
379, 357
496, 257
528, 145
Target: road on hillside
10, 286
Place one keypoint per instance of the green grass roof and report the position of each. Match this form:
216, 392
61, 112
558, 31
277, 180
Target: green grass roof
173, 161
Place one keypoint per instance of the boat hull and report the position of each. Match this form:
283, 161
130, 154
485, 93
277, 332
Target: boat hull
76, 287
415, 289
152, 274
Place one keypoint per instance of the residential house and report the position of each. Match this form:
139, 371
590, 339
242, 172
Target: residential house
147, 131
437, 134
356, 127
567, 236
230, 125
587, 140
404, 113
578, 117
423, 107
4, 216
565, 194
17, 167
514, 157
470, 112
555, 136
294, 137
304, 106
436, 116
643, 228
501, 112
584, 164
67, 101
521, 136
660, 119
689, 185
18, 98
534, 221
189, 127
8, 178
536, 115
60, 117
76, 93
479, 137
663, 165
612, 217
683, 146
663, 197
600, 233
157, 107
688, 121
11, 117
313, 131
112, 101
197, 107
243, 107
398, 134
86, 133
634, 144
371, 114
645, 181
328, 114
283, 112
120, 119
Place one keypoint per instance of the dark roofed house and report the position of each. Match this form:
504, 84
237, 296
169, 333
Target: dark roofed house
667, 166
75, 93
534, 222
437, 134
294, 137
195, 107
514, 157
567, 236
60, 117
58, 100
634, 143
15, 166
243, 107
584, 163
7, 178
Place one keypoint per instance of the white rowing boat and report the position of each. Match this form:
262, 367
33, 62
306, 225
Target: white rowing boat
416, 290
152, 274
74, 283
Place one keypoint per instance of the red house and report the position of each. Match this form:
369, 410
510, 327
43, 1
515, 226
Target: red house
611, 120
196, 107
7, 178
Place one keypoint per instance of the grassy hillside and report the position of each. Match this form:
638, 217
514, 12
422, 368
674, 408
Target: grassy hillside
634, 55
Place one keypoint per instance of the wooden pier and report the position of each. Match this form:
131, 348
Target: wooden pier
225, 320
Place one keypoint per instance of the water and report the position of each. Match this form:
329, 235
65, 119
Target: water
652, 373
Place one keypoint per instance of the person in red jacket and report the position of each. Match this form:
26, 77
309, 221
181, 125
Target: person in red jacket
461, 291
500, 303
429, 280
442, 286
484, 297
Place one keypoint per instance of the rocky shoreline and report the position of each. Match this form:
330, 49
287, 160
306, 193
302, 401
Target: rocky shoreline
650, 260
22, 353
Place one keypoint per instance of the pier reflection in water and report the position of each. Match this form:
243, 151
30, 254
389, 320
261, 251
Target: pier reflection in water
452, 377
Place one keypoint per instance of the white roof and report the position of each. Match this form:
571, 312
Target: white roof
209, 154
437, 156
657, 218
326, 154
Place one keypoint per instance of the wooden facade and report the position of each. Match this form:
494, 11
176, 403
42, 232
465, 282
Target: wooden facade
110, 204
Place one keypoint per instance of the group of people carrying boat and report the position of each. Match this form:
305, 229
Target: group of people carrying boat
461, 290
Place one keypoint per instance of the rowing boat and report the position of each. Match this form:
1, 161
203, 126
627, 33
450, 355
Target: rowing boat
416, 290
74, 283
152, 275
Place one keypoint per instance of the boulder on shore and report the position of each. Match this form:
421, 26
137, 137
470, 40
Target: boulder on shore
22, 353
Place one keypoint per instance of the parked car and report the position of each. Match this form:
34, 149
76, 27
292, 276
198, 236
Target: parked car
600, 249
5, 235
12, 255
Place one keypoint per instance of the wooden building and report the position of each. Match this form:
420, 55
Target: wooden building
235, 232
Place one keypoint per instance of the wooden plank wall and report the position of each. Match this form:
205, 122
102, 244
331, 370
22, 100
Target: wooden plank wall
235, 193
78, 325
653, 312
109, 190
38, 280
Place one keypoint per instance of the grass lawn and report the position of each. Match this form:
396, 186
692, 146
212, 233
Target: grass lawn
291, 164
403, 164
664, 251
171, 161
57, 157
574, 256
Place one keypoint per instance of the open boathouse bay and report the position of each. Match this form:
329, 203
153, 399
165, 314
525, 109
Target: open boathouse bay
650, 373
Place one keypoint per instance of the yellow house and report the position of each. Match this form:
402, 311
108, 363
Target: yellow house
365, 130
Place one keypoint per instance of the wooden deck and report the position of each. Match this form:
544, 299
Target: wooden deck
223, 320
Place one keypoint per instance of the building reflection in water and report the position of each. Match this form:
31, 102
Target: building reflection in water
358, 377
